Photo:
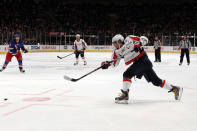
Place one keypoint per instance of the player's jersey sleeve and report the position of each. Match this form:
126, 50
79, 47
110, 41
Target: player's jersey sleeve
22, 46
84, 44
11, 46
180, 44
75, 46
116, 57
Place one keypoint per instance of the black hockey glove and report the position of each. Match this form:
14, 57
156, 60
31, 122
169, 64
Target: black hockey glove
105, 64
25, 51
137, 47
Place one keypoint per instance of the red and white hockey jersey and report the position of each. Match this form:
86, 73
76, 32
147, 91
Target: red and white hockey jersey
127, 51
80, 45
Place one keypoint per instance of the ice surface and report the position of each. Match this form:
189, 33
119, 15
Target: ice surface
41, 100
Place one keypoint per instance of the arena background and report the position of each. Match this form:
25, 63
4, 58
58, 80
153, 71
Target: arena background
41, 99
49, 25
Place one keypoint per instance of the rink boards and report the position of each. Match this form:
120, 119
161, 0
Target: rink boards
91, 48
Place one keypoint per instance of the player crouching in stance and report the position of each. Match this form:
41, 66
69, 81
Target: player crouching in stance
79, 47
14, 50
132, 51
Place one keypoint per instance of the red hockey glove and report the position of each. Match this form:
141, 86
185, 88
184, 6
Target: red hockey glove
105, 64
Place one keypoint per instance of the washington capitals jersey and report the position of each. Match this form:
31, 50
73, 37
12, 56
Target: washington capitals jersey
80, 45
14, 47
127, 51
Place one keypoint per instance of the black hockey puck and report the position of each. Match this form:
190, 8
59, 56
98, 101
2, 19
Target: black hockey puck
5, 99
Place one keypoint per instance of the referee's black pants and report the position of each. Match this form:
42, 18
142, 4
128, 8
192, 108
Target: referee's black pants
158, 54
183, 52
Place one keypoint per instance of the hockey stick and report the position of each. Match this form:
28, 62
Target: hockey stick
64, 56
74, 80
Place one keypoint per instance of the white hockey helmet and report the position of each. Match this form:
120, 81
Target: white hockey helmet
77, 35
117, 38
143, 40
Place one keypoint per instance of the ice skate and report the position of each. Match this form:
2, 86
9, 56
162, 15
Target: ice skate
76, 63
177, 92
123, 97
85, 63
22, 70
1, 70
180, 64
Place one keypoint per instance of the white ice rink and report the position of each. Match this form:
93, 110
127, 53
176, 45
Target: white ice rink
41, 100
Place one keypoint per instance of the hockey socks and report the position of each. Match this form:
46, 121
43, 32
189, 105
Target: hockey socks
166, 85
20, 63
5, 65
124, 95
85, 63
77, 61
126, 84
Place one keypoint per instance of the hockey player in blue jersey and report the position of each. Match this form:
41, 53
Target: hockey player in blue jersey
14, 50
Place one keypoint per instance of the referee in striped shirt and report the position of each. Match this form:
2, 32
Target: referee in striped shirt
185, 46
157, 47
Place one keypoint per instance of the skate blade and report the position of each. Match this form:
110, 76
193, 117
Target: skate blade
122, 102
180, 93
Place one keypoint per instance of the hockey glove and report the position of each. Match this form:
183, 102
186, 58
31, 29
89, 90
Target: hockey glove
105, 64
25, 51
137, 47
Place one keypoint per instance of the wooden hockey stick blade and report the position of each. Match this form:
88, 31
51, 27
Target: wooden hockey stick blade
70, 79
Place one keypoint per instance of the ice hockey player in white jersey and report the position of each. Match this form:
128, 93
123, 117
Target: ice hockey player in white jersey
79, 47
131, 50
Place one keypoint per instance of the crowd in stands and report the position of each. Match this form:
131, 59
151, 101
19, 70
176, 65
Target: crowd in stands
93, 18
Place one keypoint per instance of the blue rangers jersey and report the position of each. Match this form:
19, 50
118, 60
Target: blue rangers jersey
15, 47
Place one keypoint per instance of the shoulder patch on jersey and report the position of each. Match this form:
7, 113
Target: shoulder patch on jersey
135, 38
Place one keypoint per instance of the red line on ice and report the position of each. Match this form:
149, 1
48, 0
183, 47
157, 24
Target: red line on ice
19, 109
